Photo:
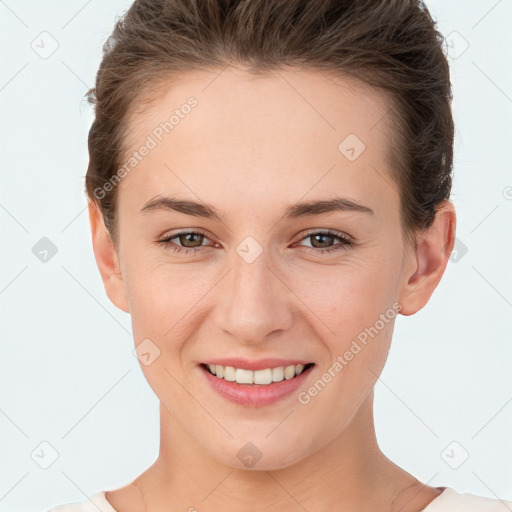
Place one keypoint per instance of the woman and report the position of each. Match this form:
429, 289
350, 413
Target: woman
268, 189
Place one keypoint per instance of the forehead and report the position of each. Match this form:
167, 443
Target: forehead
283, 134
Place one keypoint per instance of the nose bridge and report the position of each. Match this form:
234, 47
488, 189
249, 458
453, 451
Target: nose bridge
257, 300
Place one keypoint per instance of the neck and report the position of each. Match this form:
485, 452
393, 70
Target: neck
349, 473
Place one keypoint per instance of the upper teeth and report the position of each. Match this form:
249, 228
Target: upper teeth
265, 376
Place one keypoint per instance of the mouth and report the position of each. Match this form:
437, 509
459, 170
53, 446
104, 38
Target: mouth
256, 384
261, 377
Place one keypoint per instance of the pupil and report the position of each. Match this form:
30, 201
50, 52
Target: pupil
322, 236
188, 237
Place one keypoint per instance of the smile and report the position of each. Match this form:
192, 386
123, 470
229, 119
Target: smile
265, 384
262, 377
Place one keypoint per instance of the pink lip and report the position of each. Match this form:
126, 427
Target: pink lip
262, 364
255, 395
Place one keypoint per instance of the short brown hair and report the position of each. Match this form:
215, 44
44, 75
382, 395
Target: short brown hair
392, 45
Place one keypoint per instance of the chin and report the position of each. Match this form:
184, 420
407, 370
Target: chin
259, 455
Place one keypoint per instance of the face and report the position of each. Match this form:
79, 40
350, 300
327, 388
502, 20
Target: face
258, 279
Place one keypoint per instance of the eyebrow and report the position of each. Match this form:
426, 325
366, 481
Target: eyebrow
298, 210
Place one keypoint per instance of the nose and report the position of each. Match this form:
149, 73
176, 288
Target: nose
256, 301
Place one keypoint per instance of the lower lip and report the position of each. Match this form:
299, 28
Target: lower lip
255, 395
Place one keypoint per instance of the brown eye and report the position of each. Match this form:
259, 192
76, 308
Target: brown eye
191, 240
321, 240
185, 242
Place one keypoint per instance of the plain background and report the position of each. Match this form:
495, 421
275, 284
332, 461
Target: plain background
69, 378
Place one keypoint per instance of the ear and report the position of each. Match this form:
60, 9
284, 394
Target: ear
427, 262
107, 259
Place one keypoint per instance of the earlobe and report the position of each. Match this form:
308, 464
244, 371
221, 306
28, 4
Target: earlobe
431, 255
107, 259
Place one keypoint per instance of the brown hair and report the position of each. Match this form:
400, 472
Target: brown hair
392, 45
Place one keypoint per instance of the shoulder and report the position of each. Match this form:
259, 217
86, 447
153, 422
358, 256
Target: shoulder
93, 503
452, 501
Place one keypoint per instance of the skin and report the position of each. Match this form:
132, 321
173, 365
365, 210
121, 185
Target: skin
251, 147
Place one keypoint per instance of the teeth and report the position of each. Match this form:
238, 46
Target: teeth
289, 372
244, 376
229, 373
262, 377
278, 374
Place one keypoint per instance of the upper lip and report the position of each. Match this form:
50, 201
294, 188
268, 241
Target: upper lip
260, 364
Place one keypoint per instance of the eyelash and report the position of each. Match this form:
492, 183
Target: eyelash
346, 242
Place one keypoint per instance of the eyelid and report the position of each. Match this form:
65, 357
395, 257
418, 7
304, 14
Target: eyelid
345, 241
166, 238
185, 231
326, 231
310, 232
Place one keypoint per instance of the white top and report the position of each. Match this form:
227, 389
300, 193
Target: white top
448, 501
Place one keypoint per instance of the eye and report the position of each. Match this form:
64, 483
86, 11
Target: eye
190, 240
321, 242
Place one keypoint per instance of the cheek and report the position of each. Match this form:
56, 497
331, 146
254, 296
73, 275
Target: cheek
354, 315
358, 309
163, 300
347, 297
164, 297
